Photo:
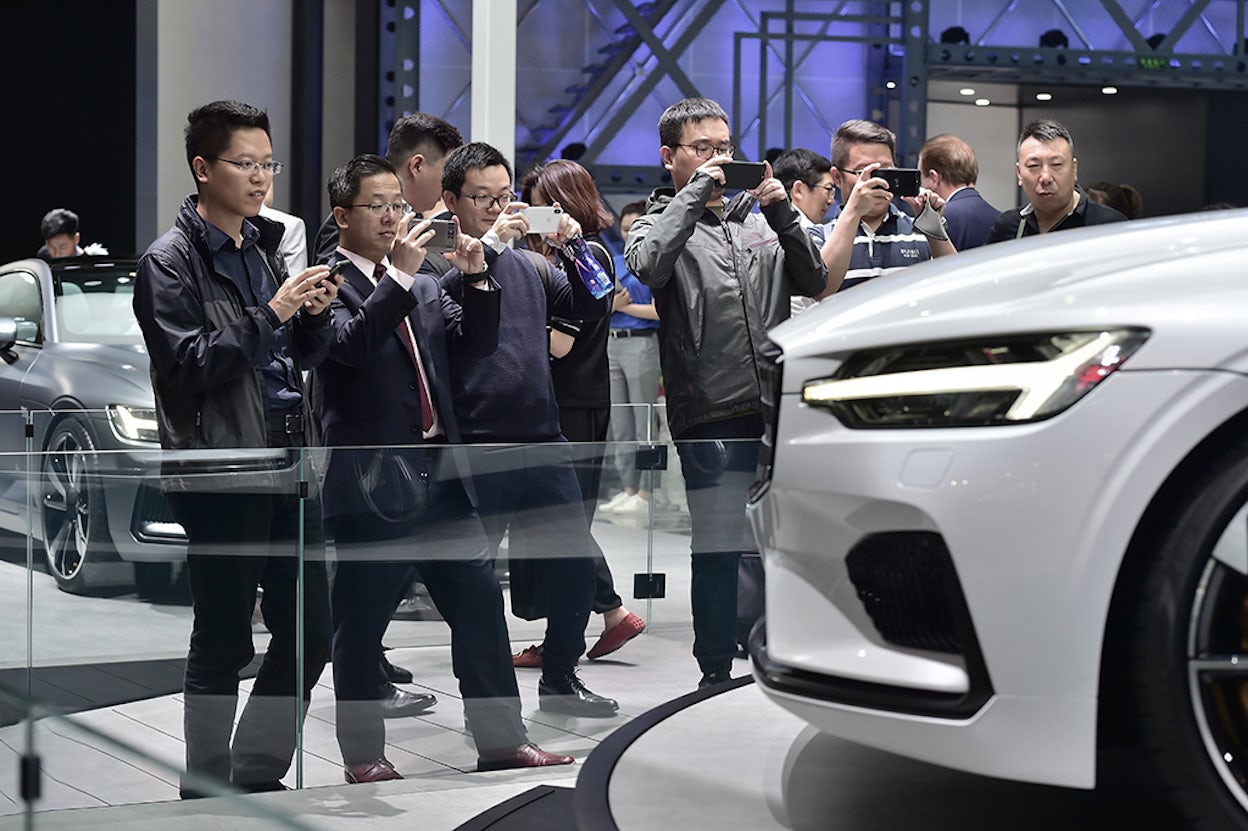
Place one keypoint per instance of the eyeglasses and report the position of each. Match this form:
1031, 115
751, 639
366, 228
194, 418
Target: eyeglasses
852, 172
484, 201
381, 208
704, 151
829, 188
250, 167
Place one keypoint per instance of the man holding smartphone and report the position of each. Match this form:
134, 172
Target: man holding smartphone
870, 236
715, 307
396, 491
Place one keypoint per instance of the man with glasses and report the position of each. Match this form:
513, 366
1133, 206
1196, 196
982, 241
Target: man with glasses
507, 397
807, 178
394, 491
229, 334
722, 275
870, 236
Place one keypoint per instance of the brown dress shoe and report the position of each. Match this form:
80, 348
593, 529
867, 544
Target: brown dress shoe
378, 770
526, 755
530, 656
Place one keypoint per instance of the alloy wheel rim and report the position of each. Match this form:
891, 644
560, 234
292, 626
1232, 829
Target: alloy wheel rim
66, 507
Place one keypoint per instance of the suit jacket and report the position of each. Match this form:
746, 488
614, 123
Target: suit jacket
970, 218
367, 388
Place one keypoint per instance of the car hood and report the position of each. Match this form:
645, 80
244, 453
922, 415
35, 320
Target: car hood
96, 375
1182, 277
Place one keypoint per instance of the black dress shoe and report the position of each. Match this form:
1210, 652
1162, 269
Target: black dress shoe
397, 703
567, 694
395, 675
714, 676
267, 786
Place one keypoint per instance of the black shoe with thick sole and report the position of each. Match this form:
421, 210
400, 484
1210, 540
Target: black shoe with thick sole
568, 694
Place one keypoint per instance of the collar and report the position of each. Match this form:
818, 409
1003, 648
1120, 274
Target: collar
1081, 207
364, 264
219, 240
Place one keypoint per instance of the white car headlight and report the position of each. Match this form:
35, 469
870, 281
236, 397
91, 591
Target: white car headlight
133, 423
973, 383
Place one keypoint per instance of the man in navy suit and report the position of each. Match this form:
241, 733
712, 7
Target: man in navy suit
397, 490
948, 167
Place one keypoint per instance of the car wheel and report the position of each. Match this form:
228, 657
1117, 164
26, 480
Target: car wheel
1189, 664
75, 527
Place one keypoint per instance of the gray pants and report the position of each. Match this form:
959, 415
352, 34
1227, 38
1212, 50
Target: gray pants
634, 365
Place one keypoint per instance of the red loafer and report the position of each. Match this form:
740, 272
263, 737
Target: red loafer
378, 770
525, 756
618, 635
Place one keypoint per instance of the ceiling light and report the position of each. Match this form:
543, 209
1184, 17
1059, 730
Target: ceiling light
891, 85
1109, 90
966, 91
1044, 96
982, 102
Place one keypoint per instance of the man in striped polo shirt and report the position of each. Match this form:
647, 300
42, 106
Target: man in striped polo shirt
870, 236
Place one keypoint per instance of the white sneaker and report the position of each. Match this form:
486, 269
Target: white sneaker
614, 502
635, 504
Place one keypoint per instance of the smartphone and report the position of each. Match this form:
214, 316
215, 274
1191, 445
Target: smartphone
743, 175
445, 235
543, 220
335, 271
902, 181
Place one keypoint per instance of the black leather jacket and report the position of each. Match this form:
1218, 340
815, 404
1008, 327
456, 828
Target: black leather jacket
205, 345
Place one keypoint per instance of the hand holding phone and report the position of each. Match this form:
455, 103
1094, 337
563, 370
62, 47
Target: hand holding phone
743, 175
543, 220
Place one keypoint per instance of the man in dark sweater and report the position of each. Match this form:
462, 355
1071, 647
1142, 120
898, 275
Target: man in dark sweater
1047, 172
507, 397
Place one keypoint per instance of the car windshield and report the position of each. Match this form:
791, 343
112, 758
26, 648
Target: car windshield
93, 304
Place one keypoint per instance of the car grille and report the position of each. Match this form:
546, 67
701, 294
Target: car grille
907, 584
152, 520
771, 374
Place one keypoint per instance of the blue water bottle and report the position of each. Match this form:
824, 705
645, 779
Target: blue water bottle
588, 267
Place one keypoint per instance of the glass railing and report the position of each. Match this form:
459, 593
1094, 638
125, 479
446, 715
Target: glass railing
95, 695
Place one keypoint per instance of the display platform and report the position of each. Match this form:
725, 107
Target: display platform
729, 758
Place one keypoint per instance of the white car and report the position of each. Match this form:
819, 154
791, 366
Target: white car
1004, 510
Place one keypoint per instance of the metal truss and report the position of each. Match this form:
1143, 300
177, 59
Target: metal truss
1143, 65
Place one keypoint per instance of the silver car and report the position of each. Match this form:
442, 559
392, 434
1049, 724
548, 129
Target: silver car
75, 369
1004, 510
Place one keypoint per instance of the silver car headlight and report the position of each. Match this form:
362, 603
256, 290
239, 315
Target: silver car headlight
972, 383
133, 424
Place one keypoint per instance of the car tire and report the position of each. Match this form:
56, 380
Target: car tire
1189, 661
76, 542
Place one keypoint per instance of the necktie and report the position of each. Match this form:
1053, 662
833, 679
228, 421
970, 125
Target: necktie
426, 406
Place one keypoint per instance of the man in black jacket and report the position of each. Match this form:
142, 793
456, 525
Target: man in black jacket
1047, 172
229, 334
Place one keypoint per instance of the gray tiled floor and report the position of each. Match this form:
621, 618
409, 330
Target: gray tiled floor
84, 776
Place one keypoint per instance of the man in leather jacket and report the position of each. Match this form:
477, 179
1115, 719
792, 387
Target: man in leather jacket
229, 334
722, 275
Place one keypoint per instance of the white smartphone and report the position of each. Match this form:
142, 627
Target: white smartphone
544, 220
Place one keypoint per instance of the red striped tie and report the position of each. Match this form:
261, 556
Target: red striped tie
426, 406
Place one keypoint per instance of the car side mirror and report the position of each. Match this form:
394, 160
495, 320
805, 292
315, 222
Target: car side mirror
8, 337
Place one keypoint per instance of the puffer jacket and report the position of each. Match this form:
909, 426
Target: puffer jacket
205, 345
718, 285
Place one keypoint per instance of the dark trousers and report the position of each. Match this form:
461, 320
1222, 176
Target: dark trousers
533, 489
375, 559
590, 426
718, 461
238, 542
